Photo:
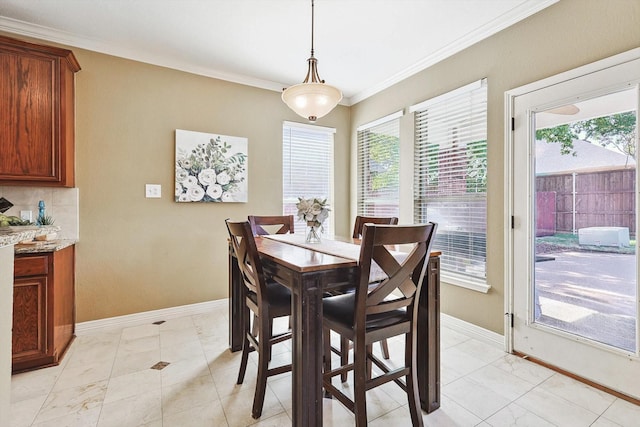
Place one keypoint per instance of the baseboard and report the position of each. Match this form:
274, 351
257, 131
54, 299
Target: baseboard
474, 331
146, 317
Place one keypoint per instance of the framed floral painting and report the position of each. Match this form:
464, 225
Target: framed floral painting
210, 167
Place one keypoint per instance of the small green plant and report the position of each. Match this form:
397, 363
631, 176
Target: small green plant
45, 220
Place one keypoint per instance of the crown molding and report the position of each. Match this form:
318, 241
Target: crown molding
57, 36
513, 16
48, 34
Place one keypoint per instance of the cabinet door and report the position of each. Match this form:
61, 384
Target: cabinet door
27, 128
29, 336
37, 120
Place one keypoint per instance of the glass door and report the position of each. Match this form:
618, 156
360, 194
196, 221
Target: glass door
575, 275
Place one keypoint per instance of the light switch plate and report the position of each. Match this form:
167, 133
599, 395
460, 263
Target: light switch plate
153, 191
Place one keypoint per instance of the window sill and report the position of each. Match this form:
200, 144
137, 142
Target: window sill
466, 282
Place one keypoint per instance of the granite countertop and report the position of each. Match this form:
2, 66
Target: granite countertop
44, 246
16, 234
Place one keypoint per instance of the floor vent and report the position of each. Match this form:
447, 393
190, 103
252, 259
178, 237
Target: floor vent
160, 365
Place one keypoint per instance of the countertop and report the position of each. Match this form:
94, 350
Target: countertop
13, 235
44, 246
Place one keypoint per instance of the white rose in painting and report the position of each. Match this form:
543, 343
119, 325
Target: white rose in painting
178, 189
181, 175
195, 194
207, 176
190, 182
227, 197
214, 191
183, 197
186, 163
223, 178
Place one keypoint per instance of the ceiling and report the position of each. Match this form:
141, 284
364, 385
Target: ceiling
362, 46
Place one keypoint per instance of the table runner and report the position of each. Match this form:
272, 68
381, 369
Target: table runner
326, 246
336, 248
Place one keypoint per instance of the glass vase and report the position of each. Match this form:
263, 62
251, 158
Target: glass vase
313, 233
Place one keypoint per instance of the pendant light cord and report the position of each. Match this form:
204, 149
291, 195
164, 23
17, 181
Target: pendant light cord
312, 20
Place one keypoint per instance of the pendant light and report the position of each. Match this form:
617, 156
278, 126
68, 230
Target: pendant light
312, 98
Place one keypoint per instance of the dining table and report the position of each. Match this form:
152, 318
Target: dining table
310, 271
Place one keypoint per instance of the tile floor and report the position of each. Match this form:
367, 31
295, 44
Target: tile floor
106, 380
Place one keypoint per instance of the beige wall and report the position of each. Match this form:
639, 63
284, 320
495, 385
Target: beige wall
138, 254
566, 35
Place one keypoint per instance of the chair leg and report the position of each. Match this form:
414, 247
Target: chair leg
264, 348
369, 362
254, 329
245, 350
360, 377
412, 383
326, 356
344, 357
384, 346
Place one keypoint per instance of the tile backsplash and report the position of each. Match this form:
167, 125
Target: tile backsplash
60, 203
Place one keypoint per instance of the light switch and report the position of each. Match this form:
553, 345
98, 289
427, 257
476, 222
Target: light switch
153, 191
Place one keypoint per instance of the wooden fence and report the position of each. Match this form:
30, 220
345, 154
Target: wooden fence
601, 199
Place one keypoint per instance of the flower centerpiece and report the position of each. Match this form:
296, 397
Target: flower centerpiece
313, 211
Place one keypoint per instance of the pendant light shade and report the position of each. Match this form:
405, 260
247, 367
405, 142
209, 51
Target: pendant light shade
312, 98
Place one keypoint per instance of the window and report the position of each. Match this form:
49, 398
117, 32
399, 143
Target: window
379, 167
307, 168
450, 182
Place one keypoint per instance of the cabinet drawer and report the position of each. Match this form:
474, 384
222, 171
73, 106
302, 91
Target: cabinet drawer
31, 266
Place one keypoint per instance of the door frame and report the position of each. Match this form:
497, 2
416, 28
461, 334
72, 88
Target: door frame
509, 97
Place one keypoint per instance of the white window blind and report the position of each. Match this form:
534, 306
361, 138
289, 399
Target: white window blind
379, 167
451, 177
307, 168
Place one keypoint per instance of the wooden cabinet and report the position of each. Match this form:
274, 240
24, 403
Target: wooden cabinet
37, 122
43, 308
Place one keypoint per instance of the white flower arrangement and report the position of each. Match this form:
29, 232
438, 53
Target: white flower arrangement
314, 211
208, 174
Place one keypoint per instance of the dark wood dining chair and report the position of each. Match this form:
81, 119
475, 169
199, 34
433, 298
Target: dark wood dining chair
357, 234
268, 300
271, 224
375, 313
281, 224
362, 220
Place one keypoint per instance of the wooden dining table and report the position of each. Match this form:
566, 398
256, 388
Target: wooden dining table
309, 272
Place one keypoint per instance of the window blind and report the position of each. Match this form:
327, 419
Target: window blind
451, 176
307, 168
379, 167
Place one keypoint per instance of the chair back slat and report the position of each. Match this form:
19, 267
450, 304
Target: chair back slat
404, 277
282, 224
387, 306
244, 246
362, 220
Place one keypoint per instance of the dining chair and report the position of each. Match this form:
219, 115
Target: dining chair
282, 224
362, 220
271, 224
268, 300
371, 314
357, 233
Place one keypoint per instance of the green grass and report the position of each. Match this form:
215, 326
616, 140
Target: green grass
569, 241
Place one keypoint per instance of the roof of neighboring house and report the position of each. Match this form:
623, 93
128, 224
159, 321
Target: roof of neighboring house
589, 158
